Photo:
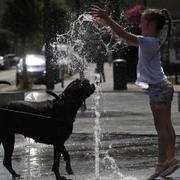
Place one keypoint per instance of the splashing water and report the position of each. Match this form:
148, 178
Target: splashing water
97, 128
76, 48
70, 48
107, 160
115, 171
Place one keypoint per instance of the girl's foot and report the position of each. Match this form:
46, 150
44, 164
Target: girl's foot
172, 166
160, 168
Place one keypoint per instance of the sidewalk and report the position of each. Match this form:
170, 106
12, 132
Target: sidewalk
108, 85
123, 111
89, 73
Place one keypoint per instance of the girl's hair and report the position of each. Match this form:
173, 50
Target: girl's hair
168, 17
158, 16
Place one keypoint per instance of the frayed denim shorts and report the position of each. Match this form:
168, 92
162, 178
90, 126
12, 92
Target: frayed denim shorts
161, 93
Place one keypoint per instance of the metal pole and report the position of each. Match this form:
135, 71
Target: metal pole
145, 3
48, 49
178, 101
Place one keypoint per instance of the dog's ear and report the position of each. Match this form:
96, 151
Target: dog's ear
53, 94
77, 80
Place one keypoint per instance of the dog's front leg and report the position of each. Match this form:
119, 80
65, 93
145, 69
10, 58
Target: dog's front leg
56, 162
8, 144
67, 160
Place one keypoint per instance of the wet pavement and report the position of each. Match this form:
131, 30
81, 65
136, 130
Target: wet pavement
128, 141
127, 149
123, 157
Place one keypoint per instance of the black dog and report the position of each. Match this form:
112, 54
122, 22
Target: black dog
49, 122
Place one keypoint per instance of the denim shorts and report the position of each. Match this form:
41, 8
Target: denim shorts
161, 93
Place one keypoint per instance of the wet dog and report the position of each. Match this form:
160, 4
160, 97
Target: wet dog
49, 122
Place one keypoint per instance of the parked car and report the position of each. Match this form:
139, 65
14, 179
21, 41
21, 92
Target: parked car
1, 62
8, 60
35, 66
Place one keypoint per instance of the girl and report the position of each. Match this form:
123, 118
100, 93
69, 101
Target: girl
149, 71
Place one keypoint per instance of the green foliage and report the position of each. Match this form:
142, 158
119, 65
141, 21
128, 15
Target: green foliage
22, 17
6, 40
25, 19
59, 16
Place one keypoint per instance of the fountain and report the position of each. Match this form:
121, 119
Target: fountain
83, 35
97, 128
74, 50
75, 55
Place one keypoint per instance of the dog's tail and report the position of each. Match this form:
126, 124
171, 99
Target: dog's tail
5, 82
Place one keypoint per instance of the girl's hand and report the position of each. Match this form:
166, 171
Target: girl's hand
106, 6
100, 15
96, 11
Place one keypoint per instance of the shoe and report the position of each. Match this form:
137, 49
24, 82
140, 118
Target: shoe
160, 168
172, 166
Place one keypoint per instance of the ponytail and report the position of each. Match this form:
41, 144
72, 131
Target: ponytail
166, 13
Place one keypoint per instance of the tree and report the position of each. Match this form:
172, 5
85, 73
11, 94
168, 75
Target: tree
22, 17
6, 41
60, 16
55, 21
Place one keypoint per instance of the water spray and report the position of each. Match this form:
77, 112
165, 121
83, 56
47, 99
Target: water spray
97, 128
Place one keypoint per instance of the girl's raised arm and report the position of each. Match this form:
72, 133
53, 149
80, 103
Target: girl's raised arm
98, 12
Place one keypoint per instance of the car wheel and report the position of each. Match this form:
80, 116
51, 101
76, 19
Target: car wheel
7, 65
22, 84
18, 80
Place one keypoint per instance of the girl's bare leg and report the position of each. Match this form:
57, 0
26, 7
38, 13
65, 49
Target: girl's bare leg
165, 131
171, 137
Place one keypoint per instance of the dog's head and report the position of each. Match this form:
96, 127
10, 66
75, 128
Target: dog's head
79, 89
